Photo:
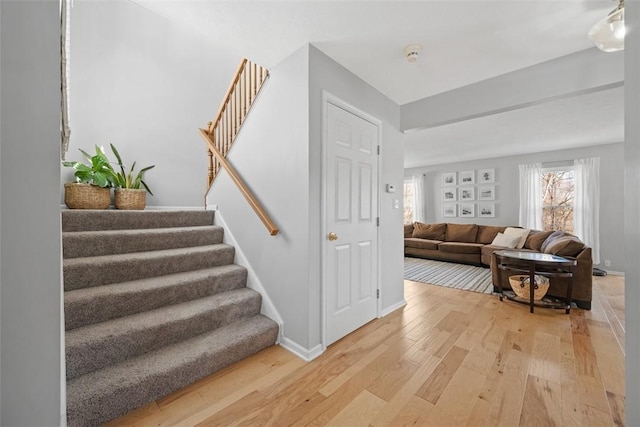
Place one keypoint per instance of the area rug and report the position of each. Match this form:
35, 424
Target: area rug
449, 274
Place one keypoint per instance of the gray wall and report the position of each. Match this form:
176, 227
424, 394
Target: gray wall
632, 207
272, 156
30, 292
145, 84
507, 192
278, 155
328, 75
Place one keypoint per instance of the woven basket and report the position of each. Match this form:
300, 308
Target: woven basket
86, 196
129, 199
520, 285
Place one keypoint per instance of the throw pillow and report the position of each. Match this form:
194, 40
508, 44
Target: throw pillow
552, 238
520, 233
567, 245
505, 241
536, 239
429, 231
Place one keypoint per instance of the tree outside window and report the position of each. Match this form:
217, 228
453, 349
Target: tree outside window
558, 190
408, 201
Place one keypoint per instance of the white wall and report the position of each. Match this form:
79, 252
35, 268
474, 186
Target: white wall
146, 85
30, 255
507, 192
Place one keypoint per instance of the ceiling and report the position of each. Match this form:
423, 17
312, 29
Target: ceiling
463, 42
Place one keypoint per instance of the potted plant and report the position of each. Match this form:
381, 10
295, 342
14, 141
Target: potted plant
91, 190
128, 191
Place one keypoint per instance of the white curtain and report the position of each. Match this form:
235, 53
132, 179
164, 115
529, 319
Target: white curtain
531, 196
418, 198
586, 205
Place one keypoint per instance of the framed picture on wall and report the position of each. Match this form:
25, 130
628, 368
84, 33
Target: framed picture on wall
466, 193
486, 176
467, 178
449, 210
487, 192
486, 210
448, 194
449, 178
467, 210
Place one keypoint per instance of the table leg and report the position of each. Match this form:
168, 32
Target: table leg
532, 271
570, 291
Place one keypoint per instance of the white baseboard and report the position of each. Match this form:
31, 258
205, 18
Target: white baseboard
175, 208
303, 353
152, 208
615, 273
393, 308
253, 281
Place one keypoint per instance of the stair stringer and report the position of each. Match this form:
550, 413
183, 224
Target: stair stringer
253, 280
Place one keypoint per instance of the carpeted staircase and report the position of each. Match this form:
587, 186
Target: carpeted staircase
152, 303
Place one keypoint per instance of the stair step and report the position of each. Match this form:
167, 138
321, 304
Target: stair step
113, 219
102, 270
78, 244
103, 344
102, 395
98, 304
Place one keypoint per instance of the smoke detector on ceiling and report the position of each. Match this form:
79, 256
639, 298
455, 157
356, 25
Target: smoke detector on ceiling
412, 51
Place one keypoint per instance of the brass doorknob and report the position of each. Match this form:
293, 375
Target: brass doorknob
332, 236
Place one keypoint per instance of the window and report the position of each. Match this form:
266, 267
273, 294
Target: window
558, 191
408, 201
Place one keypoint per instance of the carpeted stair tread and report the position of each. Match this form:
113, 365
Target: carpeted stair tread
100, 345
113, 219
97, 304
106, 242
103, 270
105, 394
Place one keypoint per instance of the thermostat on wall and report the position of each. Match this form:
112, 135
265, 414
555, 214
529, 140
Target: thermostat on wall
391, 188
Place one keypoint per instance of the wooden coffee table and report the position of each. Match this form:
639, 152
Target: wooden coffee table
535, 263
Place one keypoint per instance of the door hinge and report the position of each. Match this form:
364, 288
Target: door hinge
378, 150
377, 221
378, 293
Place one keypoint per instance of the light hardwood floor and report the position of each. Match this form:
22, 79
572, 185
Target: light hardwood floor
449, 358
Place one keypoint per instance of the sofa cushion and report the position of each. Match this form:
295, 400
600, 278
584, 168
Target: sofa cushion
412, 242
486, 233
536, 239
429, 231
460, 247
504, 241
408, 230
566, 245
461, 233
520, 233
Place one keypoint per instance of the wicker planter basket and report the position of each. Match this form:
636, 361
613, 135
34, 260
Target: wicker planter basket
86, 196
520, 285
129, 199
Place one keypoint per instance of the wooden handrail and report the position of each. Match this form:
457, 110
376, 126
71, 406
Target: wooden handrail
259, 210
222, 131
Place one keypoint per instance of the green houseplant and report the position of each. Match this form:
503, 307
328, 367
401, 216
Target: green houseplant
91, 189
130, 188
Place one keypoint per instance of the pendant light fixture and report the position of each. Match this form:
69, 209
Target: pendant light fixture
608, 33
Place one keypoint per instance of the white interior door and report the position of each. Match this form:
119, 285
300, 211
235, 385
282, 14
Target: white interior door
351, 208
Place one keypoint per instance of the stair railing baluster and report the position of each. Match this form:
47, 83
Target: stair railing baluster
221, 132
